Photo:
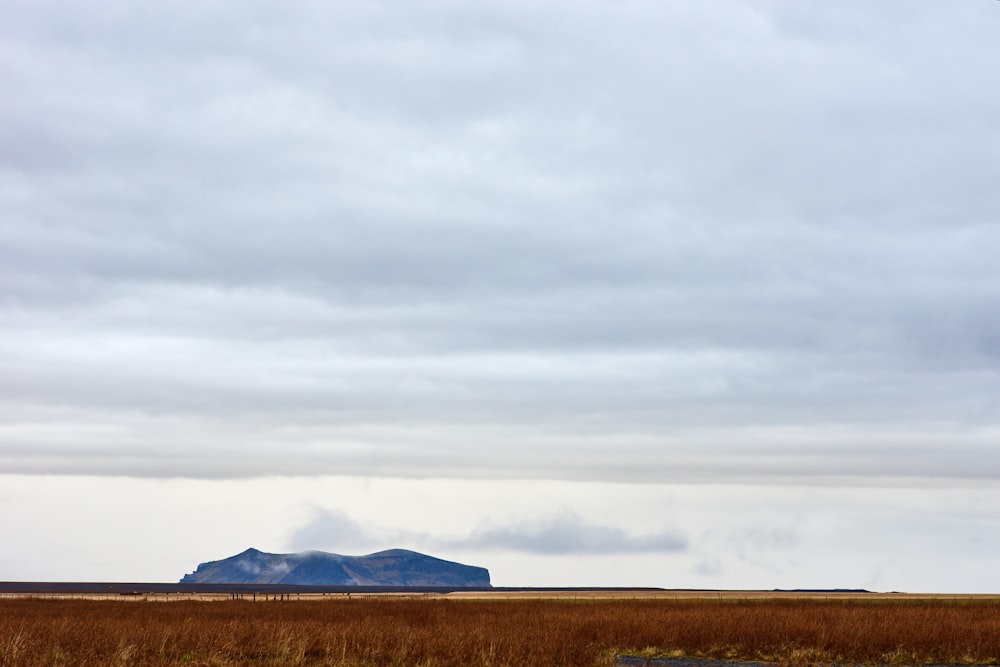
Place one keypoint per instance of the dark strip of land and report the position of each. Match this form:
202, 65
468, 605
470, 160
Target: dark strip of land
127, 588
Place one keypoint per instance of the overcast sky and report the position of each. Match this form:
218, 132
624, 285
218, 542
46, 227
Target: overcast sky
659, 293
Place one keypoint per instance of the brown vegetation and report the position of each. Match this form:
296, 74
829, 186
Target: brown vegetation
516, 632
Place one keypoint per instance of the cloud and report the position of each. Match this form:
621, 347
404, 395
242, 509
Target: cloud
567, 534
564, 534
696, 241
708, 567
757, 538
251, 568
333, 530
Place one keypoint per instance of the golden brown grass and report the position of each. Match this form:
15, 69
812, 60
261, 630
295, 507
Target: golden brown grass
516, 632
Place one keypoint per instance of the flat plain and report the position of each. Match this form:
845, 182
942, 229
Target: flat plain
502, 628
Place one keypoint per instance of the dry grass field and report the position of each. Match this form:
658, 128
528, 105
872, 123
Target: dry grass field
426, 632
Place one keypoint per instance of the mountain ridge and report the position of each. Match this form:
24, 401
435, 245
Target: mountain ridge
391, 567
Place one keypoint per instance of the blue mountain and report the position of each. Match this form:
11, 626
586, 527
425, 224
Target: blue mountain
396, 567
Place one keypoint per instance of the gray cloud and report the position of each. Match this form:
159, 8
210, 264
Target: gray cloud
567, 534
332, 530
602, 241
563, 534
708, 567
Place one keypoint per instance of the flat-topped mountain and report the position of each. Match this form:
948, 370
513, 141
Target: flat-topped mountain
396, 567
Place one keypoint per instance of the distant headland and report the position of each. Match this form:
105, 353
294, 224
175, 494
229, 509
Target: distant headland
395, 567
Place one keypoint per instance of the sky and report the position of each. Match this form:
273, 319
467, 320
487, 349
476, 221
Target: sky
624, 293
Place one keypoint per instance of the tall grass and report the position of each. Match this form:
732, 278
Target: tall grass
425, 633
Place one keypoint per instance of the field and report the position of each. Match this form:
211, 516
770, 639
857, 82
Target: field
447, 631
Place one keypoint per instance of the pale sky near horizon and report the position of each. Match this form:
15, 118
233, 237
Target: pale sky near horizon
681, 294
